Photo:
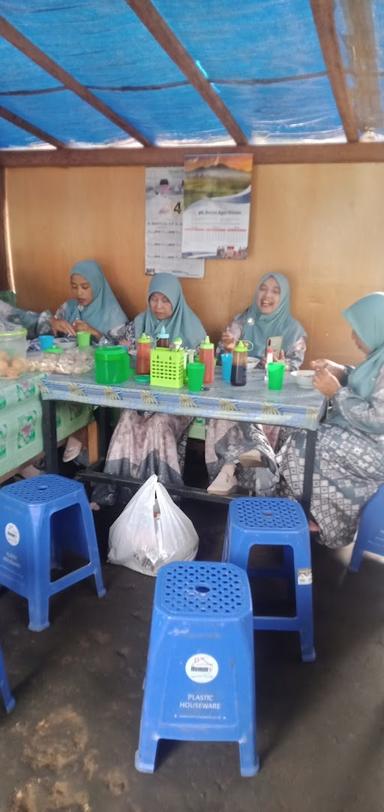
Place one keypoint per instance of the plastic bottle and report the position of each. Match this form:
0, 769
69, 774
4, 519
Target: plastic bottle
207, 356
143, 357
163, 338
269, 359
239, 364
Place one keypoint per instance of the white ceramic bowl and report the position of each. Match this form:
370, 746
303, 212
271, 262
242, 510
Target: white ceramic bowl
303, 378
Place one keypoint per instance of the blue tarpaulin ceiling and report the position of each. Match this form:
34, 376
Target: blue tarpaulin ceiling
97, 73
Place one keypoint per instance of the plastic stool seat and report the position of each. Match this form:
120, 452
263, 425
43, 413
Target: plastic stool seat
279, 522
40, 519
199, 683
370, 534
5, 690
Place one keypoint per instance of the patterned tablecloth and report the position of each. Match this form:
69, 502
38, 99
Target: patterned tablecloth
299, 408
21, 436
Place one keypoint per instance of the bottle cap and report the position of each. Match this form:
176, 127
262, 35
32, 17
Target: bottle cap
163, 333
241, 347
177, 343
144, 339
207, 344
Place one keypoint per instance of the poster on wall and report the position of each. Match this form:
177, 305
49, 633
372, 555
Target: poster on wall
217, 202
163, 224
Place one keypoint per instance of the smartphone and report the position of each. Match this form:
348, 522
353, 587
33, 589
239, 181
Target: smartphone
275, 343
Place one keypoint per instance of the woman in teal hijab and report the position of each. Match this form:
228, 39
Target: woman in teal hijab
231, 449
150, 443
94, 306
349, 463
269, 315
181, 323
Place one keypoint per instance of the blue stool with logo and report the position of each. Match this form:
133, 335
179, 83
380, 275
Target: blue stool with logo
5, 690
200, 679
278, 522
370, 534
40, 520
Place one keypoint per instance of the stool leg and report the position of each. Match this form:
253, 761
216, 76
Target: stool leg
38, 608
357, 555
249, 761
305, 613
145, 756
93, 550
8, 699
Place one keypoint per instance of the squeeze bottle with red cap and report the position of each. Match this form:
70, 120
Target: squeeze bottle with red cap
207, 356
143, 356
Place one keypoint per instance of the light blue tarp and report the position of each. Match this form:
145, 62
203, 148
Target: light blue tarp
262, 57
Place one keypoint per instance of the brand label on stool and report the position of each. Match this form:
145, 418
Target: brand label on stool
304, 577
12, 534
201, 668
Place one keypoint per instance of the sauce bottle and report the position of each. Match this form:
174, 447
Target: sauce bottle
207, 357
143, 357
162, 338
239, 364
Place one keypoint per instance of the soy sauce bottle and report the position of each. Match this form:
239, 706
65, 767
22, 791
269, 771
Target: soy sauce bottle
162, 338
239, 365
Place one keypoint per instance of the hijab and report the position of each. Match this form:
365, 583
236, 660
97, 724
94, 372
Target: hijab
104, 312
366, 317
181, 324
258, 327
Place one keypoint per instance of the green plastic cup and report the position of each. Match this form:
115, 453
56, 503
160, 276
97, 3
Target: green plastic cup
195, 376
275, 372
83, 339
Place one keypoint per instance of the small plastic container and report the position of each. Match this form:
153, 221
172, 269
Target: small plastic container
167, 368
13, 350
14, 342
112, 365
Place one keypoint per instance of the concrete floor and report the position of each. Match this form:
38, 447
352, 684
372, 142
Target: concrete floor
71, 740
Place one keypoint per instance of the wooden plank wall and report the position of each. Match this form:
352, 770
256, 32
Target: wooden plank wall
321, 224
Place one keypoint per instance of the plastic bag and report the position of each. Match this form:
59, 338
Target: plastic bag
151, 531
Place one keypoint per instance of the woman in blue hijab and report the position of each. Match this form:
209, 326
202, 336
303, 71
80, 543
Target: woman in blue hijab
233, 450
349, 463
269, 315
150, 443
93, 307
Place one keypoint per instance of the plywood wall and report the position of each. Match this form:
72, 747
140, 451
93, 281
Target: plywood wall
320, 224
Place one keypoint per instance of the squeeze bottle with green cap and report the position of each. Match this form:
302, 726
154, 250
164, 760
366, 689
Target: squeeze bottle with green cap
207, 356
239, 364
143, 357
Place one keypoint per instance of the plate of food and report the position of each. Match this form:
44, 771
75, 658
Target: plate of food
303, 377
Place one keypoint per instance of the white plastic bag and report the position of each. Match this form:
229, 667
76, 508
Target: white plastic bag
151, 531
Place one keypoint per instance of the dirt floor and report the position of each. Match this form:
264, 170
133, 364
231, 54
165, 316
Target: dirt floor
71, 740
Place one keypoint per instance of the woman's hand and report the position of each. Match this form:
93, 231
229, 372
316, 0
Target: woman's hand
228, 341
337, 370
62, 326
83, 326
326, 383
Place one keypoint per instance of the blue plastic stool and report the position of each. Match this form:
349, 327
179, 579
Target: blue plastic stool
200, 680
279, 522
5, 690
39, 518
370, 534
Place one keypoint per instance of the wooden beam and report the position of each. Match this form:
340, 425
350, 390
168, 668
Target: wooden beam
12, 35
322, 11
3, 252
30, 128
361, 48
361, 152
161, 32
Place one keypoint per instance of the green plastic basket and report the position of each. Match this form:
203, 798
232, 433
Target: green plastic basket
167, 368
